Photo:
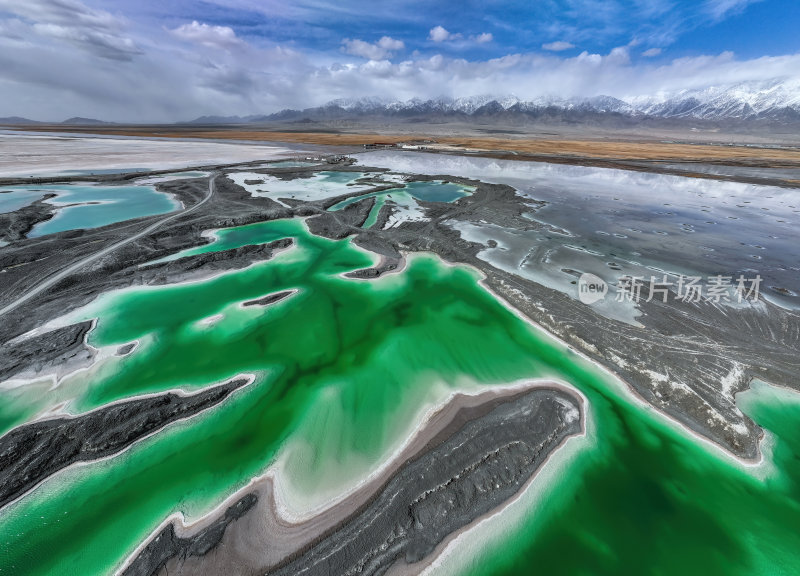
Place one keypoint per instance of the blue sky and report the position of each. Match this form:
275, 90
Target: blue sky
680, 28
165, 60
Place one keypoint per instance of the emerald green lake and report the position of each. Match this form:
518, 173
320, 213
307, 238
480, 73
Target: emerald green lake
342, 371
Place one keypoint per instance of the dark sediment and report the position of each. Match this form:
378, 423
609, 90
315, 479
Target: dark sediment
477, 469
371, 240
51, 349
168, 545
269, 299
15, 225
484, 457
126, 349
230, 259
32, 452
344, 222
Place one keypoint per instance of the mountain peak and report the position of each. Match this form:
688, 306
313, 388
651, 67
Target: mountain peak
80, 121
773, 99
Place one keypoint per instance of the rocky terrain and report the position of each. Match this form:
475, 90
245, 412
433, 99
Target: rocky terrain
486, 455
32, 452
744, 104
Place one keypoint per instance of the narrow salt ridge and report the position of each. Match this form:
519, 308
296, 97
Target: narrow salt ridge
209, 321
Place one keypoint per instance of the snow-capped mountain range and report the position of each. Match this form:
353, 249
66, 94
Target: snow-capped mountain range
776, 100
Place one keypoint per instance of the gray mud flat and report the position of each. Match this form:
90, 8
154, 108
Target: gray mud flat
32, 452
471, 468
15, 225
47, 351
166, 545
342, 223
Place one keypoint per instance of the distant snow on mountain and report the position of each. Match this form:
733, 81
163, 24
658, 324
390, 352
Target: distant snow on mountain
744, 100
777, 99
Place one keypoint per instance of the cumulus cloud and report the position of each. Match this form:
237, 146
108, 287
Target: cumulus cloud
380, 50
536, 75
71, 21
60, 58
440, 34
558, 46
212, 36
268, 80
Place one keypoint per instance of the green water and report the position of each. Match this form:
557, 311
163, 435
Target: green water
649, 501
343, 369
230, 238
375, 212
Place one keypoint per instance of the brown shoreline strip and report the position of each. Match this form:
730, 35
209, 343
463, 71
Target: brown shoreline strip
619, 148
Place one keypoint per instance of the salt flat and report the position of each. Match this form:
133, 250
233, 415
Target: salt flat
25, 154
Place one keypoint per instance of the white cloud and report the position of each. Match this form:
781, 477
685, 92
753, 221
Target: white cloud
558, 46
206, 35
534, 75
388, 43
440, 34
71, 21
719, 9
619, 55
53, 69
380, 50
651, 52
